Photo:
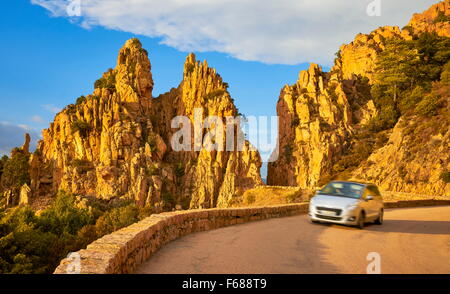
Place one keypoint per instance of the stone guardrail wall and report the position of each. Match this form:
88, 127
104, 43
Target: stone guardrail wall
124, 250
415, 203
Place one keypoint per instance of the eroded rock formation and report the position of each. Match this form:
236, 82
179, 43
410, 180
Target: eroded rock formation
411, 161
434, 19
116, 142
316, 119
321, 113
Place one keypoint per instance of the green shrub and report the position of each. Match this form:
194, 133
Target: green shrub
3, 162
409, 29
82, 165
63, 217
410, 101
179, 170
402, 172
82, 127
445, 75
386, 119
80, 100
357, 154
15, 170
169, 200
332, 92
189, 68
303, 91
428, 106
441, 17
152, 170
445, 176
250, 198
108, 81
152, 142
324, 126
71, 108
116, 219
214, 94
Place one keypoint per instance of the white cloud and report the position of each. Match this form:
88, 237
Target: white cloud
37, 119
52, 108
271, 31
13, 136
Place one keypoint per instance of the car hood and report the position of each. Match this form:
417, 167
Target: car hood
333, 201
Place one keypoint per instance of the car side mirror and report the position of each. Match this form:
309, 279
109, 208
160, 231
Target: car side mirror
369, 197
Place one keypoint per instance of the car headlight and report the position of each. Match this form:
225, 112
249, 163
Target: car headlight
352, 206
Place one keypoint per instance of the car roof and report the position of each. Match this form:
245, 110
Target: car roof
354, 182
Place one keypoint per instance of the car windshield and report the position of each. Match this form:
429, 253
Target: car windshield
342, 189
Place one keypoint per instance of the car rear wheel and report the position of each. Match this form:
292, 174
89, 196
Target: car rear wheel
379, 220
361, 221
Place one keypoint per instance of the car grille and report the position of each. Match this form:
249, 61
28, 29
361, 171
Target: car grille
336, 218
335, 210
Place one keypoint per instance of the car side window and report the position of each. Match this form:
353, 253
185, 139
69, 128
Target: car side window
366, 193
377, 191
371, 191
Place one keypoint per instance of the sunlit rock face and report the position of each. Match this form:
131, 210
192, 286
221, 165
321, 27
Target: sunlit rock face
117, 141
321, 114
315, 121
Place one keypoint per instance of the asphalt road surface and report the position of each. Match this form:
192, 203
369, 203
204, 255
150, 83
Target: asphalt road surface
411, 241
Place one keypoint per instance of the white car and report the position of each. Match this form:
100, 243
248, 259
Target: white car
347, 203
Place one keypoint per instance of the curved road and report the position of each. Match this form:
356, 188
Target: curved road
411, 240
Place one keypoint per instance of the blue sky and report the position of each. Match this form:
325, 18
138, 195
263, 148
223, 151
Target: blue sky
48, 60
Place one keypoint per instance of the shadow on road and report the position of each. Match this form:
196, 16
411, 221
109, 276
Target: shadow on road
402, 226
413, 227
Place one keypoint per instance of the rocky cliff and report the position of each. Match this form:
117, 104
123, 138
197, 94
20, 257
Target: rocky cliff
211, 178
435, 19
323, 115
117, 141
318, 116
413, 159
359, 56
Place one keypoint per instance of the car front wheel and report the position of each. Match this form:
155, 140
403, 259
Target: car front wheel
379, 220
361, 221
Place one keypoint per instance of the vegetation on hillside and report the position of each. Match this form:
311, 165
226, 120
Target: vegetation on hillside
271, 195
81, 127
14, 171
3, 161
108, 81
412, 78
405, 72
31, 243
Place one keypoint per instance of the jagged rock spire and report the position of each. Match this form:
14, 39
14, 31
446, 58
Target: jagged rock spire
26, 144
133, 71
